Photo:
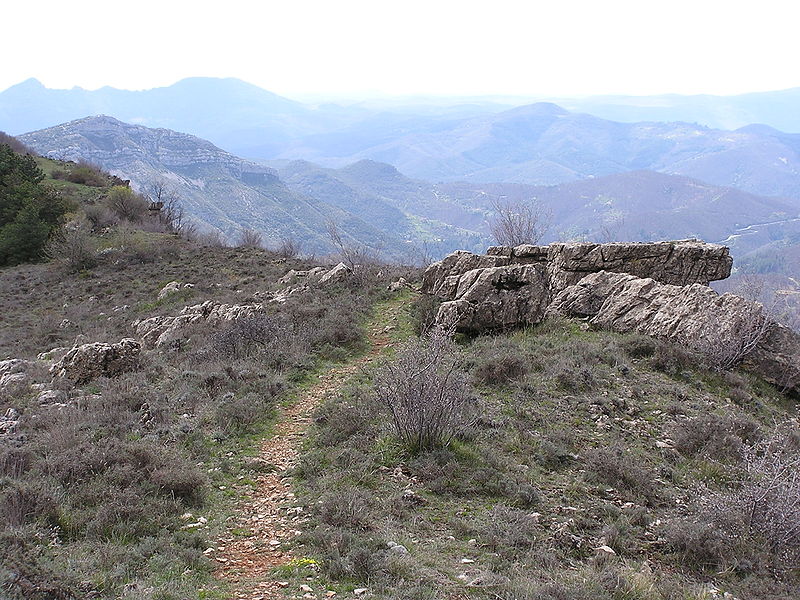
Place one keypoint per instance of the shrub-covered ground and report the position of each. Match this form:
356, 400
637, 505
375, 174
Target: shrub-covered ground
118, 493
593, 465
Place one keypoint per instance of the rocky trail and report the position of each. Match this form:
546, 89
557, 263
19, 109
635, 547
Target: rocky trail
269, 513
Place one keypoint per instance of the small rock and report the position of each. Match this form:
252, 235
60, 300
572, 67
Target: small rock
360, 591
398, 550
171, 288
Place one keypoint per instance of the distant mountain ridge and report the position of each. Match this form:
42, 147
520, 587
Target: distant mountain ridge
378, 206
218, 189
228, 193
540, 144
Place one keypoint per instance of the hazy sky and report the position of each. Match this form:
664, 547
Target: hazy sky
442, 47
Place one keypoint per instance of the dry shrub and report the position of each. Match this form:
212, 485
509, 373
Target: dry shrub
289, 247
672, 359
715, 436
756, 523
517, 223
425, 392
618, 467
348, 508
250, 238
73, 247
500, 367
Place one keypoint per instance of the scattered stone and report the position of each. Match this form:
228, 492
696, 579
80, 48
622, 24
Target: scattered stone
9, 421
411, 497
360, 591
336, 275
163, 330
52, 397
398, 550
398, 285
173, 287
14, 384
605, 550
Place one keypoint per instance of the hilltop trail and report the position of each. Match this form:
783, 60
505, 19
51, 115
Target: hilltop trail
268, 513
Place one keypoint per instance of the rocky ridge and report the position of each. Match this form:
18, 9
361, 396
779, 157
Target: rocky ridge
550, 269
658, 289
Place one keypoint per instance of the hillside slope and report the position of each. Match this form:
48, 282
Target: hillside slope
217, 189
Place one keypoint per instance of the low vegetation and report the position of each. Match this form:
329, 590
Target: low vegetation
594, 465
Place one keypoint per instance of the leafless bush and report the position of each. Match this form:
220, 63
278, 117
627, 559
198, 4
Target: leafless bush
762, 511
357, 257
426, 393
213, 239
165, 199
289, 247
518, 223
250, 238
73, 247
274, 336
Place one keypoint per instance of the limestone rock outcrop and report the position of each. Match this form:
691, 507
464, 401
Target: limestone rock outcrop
553, 268
160, 330
726, 328
680, 262
84, 363
496, 298
441, 278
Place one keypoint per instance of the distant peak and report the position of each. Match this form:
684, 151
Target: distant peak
372, 166
543, 109
29, 84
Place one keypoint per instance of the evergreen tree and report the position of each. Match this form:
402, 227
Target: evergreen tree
29, 210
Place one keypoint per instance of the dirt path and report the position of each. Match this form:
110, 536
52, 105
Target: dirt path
268, 514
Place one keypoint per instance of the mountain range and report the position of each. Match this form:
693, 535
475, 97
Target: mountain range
539, 144
224, 192
378, 207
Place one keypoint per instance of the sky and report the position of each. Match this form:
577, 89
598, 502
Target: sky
355, 48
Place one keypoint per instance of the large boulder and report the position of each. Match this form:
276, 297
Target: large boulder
727, 329
496, 298
84, 363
